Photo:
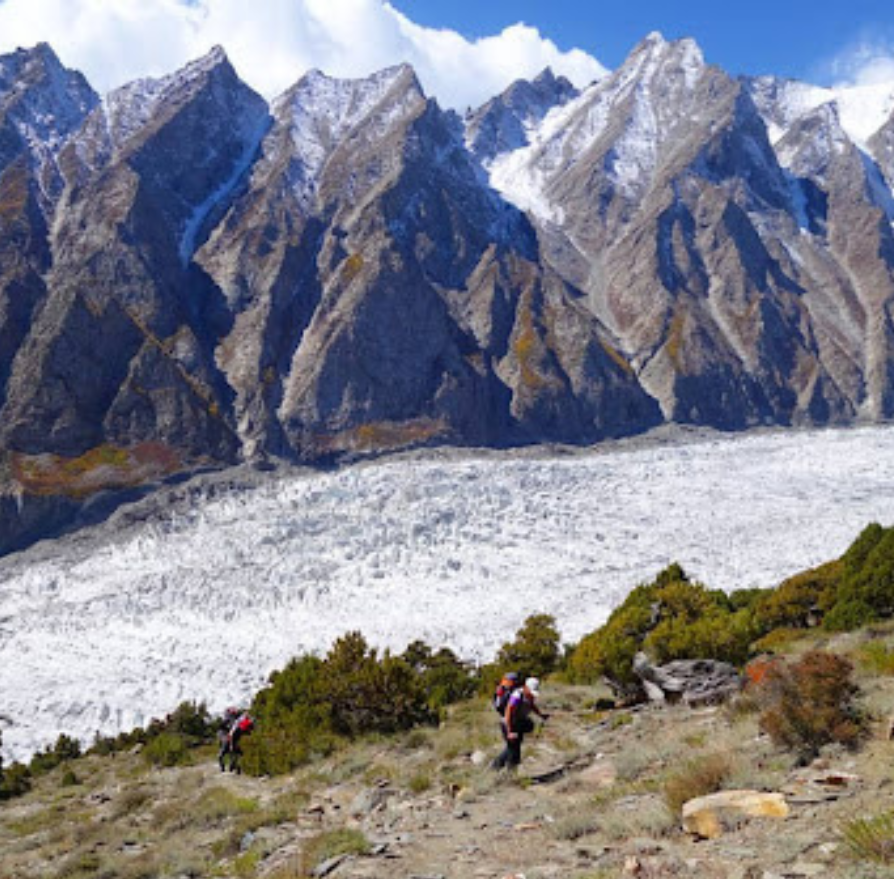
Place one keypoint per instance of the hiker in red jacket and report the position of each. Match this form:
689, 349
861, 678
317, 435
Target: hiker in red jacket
240, 724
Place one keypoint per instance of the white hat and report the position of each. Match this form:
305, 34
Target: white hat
533, 684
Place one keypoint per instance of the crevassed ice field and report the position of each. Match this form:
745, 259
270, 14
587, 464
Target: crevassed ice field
456, 549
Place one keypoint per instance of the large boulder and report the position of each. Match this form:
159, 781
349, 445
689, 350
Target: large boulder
708, 816
693, 681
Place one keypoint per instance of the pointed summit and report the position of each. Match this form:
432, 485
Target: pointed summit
315, 84
656, 48
321, 110
504, 123
41, 100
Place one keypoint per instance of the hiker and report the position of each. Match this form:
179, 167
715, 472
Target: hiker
234, 725
517, 722
228, 718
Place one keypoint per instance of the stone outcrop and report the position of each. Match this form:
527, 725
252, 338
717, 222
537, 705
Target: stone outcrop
692, 681
707, 816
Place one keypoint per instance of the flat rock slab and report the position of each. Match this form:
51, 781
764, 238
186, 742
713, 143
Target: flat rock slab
707, 816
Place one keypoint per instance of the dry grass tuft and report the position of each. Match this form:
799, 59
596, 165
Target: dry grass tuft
696, 778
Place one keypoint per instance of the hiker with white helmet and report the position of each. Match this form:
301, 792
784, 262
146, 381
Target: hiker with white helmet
516, 722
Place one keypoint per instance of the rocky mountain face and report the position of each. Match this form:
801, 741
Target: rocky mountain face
748, 280
353, 268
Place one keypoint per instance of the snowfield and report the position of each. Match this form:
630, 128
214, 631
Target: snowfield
102, 631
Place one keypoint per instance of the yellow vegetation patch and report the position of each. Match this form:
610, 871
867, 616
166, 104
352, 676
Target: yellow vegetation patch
674, 342
351, 267
377, 436
526, 348
100, 468
617, 357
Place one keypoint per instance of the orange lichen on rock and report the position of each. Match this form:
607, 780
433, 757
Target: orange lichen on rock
99, 468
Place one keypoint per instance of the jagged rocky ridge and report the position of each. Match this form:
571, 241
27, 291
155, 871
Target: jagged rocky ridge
354, 268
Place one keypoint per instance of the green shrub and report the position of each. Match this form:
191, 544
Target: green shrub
15, 780
865, 591
536, 649
811, 703
64, 749
313, 704
800, 601
166, 749
445, 678
849, 613
192, 720
671, 618
368, 694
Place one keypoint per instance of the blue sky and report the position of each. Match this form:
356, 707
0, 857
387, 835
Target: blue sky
802, 39
464, 51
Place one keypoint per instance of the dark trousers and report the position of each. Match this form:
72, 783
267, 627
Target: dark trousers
229, 747
510, 756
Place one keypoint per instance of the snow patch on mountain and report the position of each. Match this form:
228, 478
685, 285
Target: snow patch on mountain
129, 108
635, 95
521, 176
102, 633
252, 140
862, 109
321, 111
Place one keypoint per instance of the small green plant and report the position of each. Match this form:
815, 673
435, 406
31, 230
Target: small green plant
877, 657
80, 864
131, 801
420, 783
246, 864
871, 839
218, 803
575, 825
619, 719
331, 844
696, 778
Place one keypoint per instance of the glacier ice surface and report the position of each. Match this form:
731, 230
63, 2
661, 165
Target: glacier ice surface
103, 632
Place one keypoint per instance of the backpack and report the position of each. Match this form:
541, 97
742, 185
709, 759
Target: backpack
245, 723
507, 686
228, 718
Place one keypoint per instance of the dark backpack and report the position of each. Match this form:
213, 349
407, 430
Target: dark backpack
504, 691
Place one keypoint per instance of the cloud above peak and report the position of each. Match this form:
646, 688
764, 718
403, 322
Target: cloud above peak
115, 41
866, 62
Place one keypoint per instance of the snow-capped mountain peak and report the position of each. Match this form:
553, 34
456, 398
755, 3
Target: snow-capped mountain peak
45, 101
321, 111
510, 120
862, 109
639, 103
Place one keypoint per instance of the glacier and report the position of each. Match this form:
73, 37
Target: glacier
103, 629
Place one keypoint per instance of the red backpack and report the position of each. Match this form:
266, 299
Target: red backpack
504, 691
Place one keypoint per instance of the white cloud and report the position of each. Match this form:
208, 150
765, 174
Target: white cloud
867, 62
115, 41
